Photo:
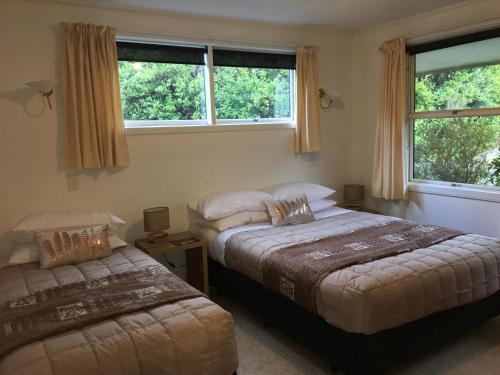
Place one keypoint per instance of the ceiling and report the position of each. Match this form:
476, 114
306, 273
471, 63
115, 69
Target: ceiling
346, 14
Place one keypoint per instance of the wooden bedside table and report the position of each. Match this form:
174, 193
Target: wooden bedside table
196, 256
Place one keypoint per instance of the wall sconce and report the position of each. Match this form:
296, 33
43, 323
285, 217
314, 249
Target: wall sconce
329, 100
44, 88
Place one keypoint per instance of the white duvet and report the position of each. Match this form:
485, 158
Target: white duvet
191, 336
388, 292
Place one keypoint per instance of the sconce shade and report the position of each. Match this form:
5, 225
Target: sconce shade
354, 193
156, 219
43, 86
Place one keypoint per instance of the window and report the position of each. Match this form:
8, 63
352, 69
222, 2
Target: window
455, 110
161, 83
165, 85
253, 86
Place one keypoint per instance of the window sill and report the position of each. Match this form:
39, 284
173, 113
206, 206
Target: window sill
466, 192
145, 130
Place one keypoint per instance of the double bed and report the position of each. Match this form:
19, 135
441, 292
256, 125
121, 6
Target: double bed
399, 301
187, 336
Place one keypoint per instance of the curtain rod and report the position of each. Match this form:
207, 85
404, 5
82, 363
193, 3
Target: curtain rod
177, 38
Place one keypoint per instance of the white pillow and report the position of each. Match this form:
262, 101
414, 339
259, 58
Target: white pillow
221, 205
25, 253
116, 242
294, 190
25, 230
321, 205
236, 220
30, 252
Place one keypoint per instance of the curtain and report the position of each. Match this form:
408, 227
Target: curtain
95, 133
307, 130
388, 179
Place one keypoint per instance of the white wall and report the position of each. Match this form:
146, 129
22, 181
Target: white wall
168, 169
172, 169
470, 215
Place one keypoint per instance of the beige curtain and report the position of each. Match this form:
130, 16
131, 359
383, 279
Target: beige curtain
307, 130
388, 179
95, 134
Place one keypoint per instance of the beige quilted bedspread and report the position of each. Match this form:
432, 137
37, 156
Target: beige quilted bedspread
388, 292
192, 336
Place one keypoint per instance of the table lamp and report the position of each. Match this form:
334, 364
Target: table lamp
156, 221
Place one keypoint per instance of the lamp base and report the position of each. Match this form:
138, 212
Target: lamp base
157, 237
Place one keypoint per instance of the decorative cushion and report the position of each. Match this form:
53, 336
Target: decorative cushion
294, 190
30, 252
289, 212
222, 205
73, 246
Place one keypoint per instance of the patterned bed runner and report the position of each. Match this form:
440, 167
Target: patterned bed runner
60, 309
297, 271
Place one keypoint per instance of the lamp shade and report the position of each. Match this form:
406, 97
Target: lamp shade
354, 193
43, 86
156, 219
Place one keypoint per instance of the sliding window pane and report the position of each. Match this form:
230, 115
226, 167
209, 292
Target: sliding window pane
252, 93
162, 91
457, 150
461, 77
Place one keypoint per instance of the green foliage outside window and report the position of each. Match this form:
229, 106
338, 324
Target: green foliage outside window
153, 91
464, 149
251, 93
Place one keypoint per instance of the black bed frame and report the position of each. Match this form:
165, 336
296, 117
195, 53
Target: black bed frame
350, 352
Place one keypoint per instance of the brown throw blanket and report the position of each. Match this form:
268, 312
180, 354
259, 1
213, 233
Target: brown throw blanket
60, 309
297, 271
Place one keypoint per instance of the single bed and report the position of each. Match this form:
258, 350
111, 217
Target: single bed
378, 298
189, 336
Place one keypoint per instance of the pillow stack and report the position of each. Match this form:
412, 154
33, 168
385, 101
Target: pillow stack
232, 209
65, 237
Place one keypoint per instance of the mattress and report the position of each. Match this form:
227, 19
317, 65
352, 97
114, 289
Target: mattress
385, 293
191, 336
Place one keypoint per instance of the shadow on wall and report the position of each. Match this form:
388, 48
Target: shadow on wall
311, 157
7, 238
415, 199
73, 175
32, 103
59, 98
135, 231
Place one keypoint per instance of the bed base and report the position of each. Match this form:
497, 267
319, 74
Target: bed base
350, 352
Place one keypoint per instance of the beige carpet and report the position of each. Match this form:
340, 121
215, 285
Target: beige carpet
265, 351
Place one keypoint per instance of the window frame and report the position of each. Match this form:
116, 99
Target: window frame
174, 126
464, 190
